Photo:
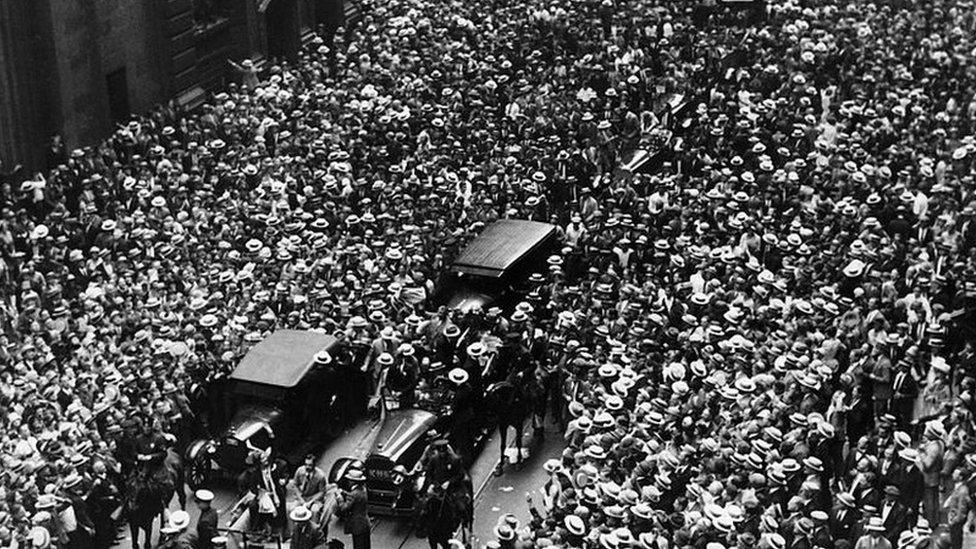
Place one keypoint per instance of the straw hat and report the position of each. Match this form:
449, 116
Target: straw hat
458, 376
300, 514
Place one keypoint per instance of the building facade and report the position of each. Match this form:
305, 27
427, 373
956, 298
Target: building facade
78, 68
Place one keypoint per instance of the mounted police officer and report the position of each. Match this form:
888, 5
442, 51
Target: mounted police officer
440, 464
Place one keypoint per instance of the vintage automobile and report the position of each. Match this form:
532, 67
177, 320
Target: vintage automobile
292, 391
492, 267
392, 478
658, 144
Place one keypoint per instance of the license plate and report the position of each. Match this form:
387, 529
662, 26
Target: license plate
392, 404
381, 474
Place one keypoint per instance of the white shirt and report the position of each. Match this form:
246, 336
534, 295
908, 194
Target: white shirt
921, 204
573, 234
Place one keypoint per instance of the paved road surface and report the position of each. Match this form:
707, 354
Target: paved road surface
495, 495
506, 494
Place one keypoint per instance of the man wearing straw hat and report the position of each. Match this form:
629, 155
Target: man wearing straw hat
352, 508
873, 537
305, 533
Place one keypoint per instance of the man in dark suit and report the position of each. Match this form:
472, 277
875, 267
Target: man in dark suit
103, 499
305, 534
910, 481
890, 467
352, 509
81, 535
821, 535
843, 516
894, 515
904, 392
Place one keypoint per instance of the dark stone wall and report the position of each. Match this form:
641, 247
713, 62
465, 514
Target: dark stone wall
93, 38
28, 84
56, 55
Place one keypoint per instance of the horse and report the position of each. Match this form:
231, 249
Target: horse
153, 487
173, 463
143, 503
443, 511
511, 402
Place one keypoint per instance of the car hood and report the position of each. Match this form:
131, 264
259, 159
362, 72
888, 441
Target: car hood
249, 419
399, 430
465, 299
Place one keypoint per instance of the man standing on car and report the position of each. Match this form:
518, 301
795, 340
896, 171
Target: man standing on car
352, 509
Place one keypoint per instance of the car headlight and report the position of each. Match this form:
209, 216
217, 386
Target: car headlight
400, 475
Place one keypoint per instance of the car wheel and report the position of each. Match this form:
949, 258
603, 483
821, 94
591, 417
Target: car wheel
198, 474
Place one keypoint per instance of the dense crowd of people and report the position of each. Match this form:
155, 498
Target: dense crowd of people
764, 341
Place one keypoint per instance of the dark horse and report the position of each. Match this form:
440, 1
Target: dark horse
444, 510
511, 403
151, 488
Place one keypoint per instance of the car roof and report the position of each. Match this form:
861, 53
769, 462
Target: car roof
500, 245
283, 358
399, 430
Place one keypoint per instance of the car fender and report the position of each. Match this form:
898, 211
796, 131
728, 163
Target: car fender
339, 468
197, 448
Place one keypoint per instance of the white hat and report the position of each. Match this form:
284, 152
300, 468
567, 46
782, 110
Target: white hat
300, 514
475, 350
875, 524
457, 376
40, 232
178, 521
204, 495
854, 269
40, 537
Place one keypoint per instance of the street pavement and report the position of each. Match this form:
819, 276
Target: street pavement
494, 496
506, 494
